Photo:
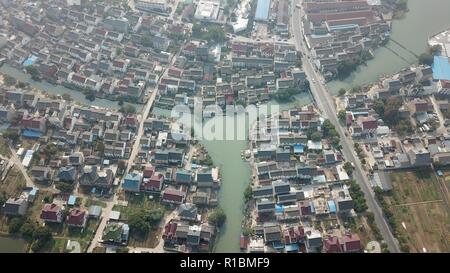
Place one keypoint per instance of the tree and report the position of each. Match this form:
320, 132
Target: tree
27, 229
378, 106
67, 97
118, 51
42, 233
21, 85
50, 150
138, 222
146, 40
8, 80
316, 136
426, 58
342, 92
435, 50
46, 199
217, 217
99, 146
356, 89
127, 109
154, 216
342, 115
142, 220
15, 224
248, 194
307, 85
90, 95
401, 5
121, 164
3, 199
33, 71
247, 231
357, 195
391, 110
11, 134
64, 187
41, 237
348, 168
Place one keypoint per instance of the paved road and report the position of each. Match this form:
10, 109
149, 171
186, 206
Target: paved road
140, 131
326, 104
134, 151
105, 216
143, 116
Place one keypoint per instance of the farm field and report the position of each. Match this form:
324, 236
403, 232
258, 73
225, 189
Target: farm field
421, 213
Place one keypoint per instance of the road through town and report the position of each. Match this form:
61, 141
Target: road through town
325, 103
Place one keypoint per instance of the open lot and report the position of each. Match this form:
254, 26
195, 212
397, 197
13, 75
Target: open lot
14, 183
421, 215
91, 202
63, 233
135, 203
4, 149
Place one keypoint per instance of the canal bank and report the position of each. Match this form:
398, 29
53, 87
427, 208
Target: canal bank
51, 89
424, 19
235, 175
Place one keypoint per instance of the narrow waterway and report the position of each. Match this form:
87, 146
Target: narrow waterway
44, 86
424, 19
12, 245
235, 174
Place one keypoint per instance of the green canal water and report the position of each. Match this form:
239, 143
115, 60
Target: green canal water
424, 19
235, 175
11, 245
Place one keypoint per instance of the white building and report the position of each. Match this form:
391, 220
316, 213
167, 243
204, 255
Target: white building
207, 11
151, 5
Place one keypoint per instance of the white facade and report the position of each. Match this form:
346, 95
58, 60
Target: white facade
151, 5
207, 11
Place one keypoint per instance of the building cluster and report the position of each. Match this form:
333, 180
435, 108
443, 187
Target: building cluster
275, 15
187, 233
298, 180
441, 62
104, 49
423, 107
249, 72
338, 31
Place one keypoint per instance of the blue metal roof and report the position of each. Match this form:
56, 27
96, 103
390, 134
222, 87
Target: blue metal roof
292, 247
332, 206
33, 191
262, 10
339, 27
31, 133
31, 60
279, 208
299, 148
441, 68
278, 245
71, 200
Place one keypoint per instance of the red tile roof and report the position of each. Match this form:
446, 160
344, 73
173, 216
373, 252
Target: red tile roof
148, 171
76, 217
332, 245
351, 243
50, 212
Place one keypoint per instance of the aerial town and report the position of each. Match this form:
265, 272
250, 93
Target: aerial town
92, 161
